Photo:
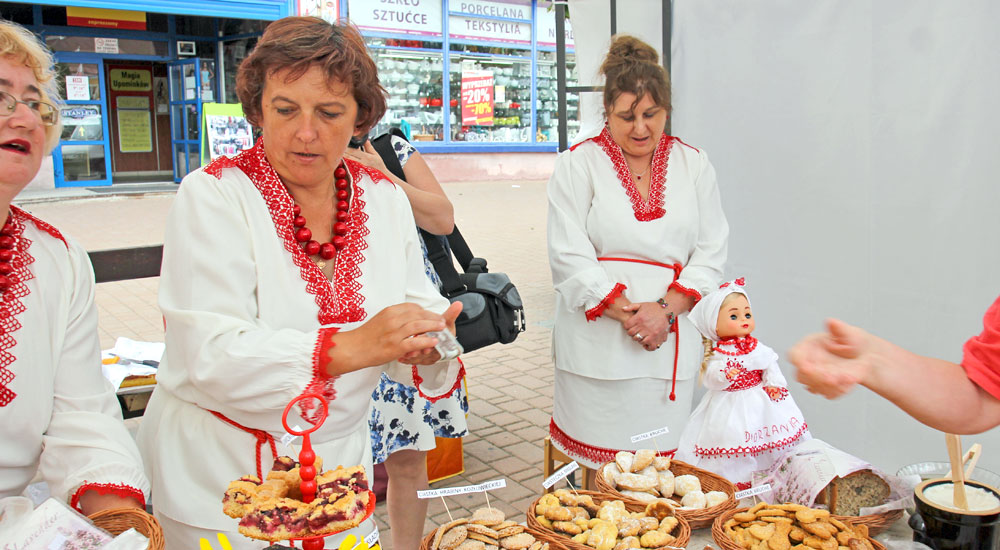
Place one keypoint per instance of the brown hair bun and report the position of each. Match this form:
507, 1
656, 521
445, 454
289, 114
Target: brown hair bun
632, 66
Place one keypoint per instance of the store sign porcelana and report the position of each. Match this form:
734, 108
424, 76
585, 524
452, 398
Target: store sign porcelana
512, 9
402, 16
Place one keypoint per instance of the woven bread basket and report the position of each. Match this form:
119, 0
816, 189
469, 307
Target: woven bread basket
709, 482
118, 520
876, 523
552, 539
682, 531
726, 543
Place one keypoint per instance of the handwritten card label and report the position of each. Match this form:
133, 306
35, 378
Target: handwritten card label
648, 435
372, 537
288, 438
452, 491
753, 491
560, 474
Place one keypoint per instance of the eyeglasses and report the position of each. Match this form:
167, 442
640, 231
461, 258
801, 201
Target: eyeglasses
46, 111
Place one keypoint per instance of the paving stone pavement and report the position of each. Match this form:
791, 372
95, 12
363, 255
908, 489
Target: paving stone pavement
510, 386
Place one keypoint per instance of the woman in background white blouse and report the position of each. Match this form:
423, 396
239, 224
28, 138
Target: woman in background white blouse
636, 235
58, 415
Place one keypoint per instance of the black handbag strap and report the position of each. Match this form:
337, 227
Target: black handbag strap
440, 258
438, 255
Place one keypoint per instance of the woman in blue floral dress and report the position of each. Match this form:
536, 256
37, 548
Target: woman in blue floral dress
403, 421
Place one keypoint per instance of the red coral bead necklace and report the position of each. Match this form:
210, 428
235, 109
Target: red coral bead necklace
7, 243
303, 235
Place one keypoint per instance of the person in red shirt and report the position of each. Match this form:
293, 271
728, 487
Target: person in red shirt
832, 363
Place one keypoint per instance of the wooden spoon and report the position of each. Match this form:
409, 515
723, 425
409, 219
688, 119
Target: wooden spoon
954, 444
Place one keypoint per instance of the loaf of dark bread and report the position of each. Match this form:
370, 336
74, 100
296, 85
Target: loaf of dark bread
845, 496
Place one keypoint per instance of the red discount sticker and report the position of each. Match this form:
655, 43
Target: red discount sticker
477, 98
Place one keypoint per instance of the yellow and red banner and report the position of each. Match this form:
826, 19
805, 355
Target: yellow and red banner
477, 98
106, 19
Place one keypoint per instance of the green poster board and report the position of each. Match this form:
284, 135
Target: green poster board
224, 131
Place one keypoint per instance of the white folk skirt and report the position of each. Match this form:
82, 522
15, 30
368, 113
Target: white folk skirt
593, 419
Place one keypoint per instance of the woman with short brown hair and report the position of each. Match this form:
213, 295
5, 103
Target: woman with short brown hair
287, 270
636, 235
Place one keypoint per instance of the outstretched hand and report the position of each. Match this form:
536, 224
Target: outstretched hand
832, 363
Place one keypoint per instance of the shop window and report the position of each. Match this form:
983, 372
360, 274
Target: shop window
547, 105
511, 120
234, 52
22, 14
84, 162
489, 50
87, 90
123, 46
81, 123
414, 82
191, 25
230, 27
156, 22
54, 15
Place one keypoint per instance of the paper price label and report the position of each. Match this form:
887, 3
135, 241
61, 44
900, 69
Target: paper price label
372, 538
452, 491
648, 435
560, 474
287, 439
753, 491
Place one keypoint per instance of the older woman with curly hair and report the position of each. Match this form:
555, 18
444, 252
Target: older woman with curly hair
58, 414
287, 270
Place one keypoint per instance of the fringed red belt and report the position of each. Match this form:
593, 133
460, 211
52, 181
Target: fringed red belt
677, 267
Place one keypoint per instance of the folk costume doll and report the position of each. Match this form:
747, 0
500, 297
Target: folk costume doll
747, 418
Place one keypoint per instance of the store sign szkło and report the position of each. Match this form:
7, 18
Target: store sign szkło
421, 17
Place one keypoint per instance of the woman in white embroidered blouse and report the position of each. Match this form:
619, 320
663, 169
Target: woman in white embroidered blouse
258, 312
636, 234
58, 415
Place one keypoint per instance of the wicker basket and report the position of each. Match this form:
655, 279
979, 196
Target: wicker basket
683, 529
709, 482
876, 523
724, 542
554, 544
118, 520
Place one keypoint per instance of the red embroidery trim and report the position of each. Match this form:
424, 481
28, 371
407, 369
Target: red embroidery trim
321, 383
118, 489
741, 378
739, 282
591, 453
690, 146
417, 380
740, 485
41, 224
342, 301
652, 207
10, 301
685, 290
752, 450
261, 435
598, 310
742, 346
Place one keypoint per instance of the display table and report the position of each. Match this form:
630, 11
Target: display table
133, 399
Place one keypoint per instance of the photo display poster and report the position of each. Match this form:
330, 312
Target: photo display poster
224, 131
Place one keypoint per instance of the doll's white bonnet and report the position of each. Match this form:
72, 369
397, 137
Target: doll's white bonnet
705, 314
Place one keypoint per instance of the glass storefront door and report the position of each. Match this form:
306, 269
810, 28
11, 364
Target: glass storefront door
191, 82
81, 158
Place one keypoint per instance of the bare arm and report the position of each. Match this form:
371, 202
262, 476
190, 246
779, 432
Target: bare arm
936, 392
432, 210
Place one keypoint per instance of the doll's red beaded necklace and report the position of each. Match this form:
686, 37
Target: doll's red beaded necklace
304, 235
743, 345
